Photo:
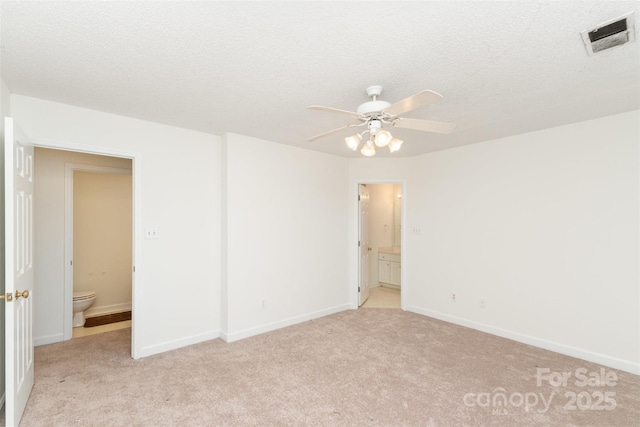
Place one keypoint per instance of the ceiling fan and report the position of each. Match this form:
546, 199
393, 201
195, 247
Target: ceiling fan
374, 114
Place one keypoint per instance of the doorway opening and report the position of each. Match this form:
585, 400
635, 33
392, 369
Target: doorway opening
23, 257
380, 207
98, 232
85, 202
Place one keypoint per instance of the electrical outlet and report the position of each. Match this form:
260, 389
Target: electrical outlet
453, 297
483, 303
416, 230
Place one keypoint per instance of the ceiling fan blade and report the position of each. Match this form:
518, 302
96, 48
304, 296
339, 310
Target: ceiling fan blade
420, 99
424, 125
322, 135
336, 110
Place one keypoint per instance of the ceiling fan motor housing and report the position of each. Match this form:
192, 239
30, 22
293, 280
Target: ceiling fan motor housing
374, 126
372, 107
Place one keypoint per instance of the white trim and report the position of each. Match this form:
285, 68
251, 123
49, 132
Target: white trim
179, 343
246, 333
602, 359
107, 309
83, 148
136, 168
70, 168
49, 339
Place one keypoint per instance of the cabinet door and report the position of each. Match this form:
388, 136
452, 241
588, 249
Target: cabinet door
384, 273
394, 273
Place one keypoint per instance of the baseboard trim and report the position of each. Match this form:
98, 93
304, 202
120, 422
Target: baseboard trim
602, 359
107, 309
176, 344
49, 339
250, 332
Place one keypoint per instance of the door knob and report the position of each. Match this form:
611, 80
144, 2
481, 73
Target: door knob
8, 296
24, 294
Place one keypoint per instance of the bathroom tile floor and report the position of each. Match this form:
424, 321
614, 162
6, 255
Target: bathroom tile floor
383, 297
83, 332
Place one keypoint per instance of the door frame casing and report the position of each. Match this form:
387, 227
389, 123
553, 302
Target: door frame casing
363, 239
136, 176
70, 168
354, 258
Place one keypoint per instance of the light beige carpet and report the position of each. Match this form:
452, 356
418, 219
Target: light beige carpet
359, 367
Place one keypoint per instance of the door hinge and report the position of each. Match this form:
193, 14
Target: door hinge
358, 197
358, 288
358, 243
71, 262
134, 268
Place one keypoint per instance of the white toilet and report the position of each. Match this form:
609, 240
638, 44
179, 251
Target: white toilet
82, 300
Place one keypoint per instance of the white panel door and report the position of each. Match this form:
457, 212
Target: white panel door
363, 241
18, 199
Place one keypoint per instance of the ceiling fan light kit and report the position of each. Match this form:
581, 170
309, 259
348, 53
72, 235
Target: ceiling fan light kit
395, 144
374, 114
383, 138
353, 141
368, 149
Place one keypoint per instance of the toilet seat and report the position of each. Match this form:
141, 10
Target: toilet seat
83, 295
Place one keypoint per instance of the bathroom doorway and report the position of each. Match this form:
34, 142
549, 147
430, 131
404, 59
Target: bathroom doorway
99, 203
55, 173
384, 244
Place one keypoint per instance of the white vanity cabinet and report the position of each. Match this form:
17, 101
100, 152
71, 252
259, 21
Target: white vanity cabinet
389, 268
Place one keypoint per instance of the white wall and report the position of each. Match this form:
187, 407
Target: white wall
543, 226
381, 224
177, 176
102, 231
49, 234
5, 111
286, 235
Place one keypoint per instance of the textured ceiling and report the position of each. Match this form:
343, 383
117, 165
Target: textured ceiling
251, 67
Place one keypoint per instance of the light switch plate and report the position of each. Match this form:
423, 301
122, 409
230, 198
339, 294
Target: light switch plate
151, 233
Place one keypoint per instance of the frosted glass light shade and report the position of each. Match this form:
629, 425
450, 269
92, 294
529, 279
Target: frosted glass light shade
353, 141
368, 150
395, 145
383, 138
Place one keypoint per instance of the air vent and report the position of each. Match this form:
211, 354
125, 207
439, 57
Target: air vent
609, 34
